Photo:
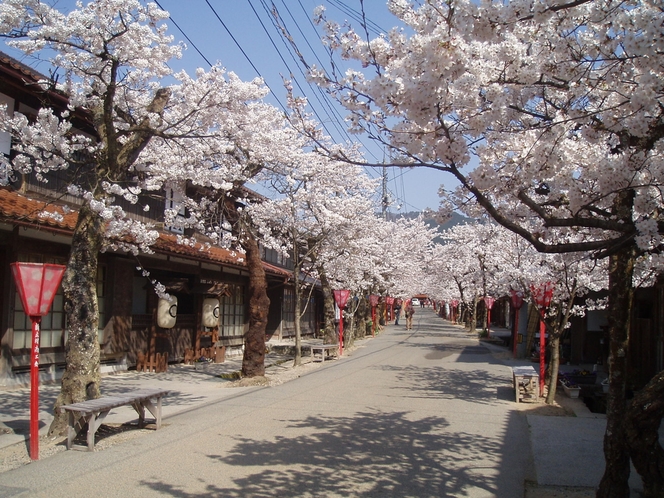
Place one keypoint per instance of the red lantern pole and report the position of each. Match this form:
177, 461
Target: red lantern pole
341, 298
542, 295
517, 302
36, 284
34, 389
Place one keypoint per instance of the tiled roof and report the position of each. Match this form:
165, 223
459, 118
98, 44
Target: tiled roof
20, 210
20, 67
277, 270
168, 243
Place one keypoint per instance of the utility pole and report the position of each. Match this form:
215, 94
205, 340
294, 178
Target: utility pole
385, 197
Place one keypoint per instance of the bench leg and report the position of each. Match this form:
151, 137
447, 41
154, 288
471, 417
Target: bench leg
71, 430
75, 426
516, 387
155, 410
140, 409
94, 423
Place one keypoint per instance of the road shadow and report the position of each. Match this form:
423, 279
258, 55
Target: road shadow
438, 382
372, 453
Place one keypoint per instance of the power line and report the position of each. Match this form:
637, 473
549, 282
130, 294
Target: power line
325, 103
185, 35
275, 17
358, 16
283, 107
301, 61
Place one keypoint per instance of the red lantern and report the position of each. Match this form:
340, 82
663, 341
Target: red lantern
36, 284
389, 301
542, 295
341, 298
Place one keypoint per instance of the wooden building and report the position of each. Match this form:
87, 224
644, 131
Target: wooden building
131, 321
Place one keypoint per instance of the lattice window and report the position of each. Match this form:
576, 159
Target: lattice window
232, 312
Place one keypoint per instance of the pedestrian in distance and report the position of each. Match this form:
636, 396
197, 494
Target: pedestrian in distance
397, 311
410, 311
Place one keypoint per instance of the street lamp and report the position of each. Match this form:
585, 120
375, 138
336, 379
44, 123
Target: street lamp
373, 301
542, 295
517, 302
36, 284
341, 298
488, 301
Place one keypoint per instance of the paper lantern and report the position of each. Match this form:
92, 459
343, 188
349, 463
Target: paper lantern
167, 312
210, 312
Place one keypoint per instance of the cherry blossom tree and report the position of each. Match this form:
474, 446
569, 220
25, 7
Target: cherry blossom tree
318, 202
559, 104
498, 261
149, 128
374, 255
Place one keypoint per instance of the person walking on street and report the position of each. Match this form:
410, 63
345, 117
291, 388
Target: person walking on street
410, 311
397, 311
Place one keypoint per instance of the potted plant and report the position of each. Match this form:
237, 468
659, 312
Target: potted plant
571, 389
581, 377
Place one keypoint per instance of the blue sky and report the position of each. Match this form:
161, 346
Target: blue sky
240, 34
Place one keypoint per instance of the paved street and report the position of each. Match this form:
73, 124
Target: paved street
427, 412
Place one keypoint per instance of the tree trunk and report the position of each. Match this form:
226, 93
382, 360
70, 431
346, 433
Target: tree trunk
253, 361
472, 316
644, 417
81, 378
614, 483
329, 331
554, 364
363, 314
298, 311
556, 333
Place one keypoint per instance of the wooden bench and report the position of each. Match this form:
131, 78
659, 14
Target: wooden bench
93, 412
526, 383
325, 349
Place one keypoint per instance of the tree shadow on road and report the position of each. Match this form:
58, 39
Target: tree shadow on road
368, 454
444, 383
